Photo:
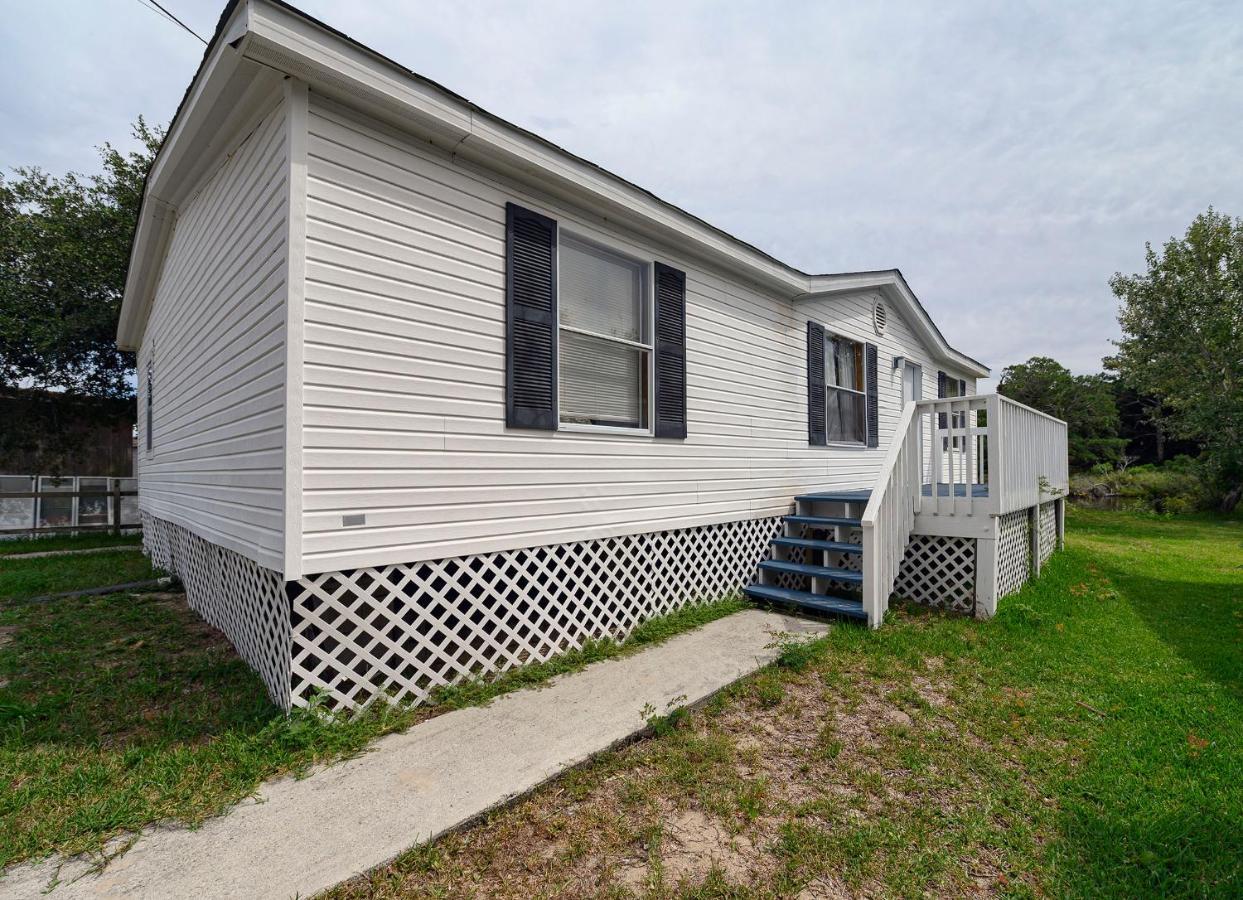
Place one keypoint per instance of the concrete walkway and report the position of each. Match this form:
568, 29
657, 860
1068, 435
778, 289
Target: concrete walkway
304, 836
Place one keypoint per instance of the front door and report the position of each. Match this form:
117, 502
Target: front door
913, 389
912, 383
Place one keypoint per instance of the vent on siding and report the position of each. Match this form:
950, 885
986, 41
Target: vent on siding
879, 315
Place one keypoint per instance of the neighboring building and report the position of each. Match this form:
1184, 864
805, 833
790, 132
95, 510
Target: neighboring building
423, 396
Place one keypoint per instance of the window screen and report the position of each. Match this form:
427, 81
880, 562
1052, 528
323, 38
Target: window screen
605, 344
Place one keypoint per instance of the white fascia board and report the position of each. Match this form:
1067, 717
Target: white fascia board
895, 289
158, 211
284, 40
339, 67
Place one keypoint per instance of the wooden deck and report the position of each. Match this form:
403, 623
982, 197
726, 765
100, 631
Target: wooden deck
977, 491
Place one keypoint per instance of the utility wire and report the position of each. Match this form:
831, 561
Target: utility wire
156, 7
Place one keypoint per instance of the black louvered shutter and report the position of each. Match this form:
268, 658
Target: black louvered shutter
962, 388
942, 380
815, 385
531, 319
872, 394
670, 352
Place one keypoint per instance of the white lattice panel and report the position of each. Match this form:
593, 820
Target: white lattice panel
1048, 530
403, 630
1013, 551
938, 571
232, 593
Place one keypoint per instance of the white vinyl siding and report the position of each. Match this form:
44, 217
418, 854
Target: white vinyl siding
404, 377
215, 344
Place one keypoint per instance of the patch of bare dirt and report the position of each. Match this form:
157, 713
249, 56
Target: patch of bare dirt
695, 844
640, 826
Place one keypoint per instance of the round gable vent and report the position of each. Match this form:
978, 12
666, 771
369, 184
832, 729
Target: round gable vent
879, 314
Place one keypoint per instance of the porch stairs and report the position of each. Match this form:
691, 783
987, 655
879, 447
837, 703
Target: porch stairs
817, 561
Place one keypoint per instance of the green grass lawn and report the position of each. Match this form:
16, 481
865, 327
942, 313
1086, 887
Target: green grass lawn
1087, 742
24, 578
83, 541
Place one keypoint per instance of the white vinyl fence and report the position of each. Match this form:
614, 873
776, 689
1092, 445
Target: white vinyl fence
21, 514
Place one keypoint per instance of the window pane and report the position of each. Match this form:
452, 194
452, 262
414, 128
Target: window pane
602, 383
845, 419
600, 291
848, 364
843, 363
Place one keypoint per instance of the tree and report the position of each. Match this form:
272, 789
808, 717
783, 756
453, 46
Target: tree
1085, 402
1182, 341
64, 248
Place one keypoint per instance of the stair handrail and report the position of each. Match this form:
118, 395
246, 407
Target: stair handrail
889, 517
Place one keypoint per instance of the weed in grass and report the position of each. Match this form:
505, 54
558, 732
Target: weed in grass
661, 725
769, 689
828, 745
751, 798
797, 654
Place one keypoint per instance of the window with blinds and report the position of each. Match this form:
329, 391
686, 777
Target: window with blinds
604, 341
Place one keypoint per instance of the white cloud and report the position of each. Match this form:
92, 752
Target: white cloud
1008, 158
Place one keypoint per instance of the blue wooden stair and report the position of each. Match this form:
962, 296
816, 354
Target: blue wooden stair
822, 521
812, 544
829, 572
819, 603
812, 563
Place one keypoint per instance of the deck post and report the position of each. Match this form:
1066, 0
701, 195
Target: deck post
996, 503
986, 573
114, 505
1060, 507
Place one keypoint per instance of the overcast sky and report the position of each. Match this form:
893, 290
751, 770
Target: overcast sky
1008, 157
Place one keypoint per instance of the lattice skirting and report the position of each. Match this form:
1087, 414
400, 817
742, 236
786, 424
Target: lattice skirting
232, 593
939, 571
402, 630
1013, 551
1048, 530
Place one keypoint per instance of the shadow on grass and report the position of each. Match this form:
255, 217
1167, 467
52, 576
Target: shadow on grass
1153, 795
121, 670
1202, 622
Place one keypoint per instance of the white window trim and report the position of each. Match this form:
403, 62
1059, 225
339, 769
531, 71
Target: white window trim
853, 445
649, 328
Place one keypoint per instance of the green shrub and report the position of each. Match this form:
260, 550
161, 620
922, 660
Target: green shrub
1178, 486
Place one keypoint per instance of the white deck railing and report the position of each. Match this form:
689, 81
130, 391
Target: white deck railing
1031, 462
988, 455
890, 516
954, 438
958, 456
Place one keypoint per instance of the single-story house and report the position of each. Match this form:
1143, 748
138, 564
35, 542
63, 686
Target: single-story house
423, 396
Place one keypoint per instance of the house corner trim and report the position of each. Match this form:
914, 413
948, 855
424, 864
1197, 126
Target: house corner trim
296, 123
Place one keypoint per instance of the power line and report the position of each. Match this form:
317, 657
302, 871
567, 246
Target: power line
156, 7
